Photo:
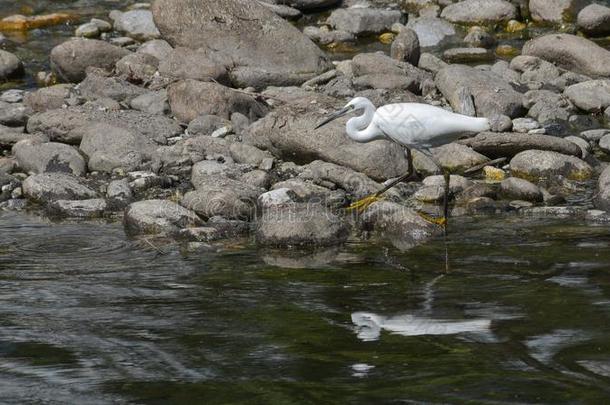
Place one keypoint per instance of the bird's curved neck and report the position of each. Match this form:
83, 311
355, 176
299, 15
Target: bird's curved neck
360, 129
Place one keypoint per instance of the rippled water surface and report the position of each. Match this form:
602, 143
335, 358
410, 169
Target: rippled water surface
88, 316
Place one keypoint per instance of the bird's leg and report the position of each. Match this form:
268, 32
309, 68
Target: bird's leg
365, 202
442, 221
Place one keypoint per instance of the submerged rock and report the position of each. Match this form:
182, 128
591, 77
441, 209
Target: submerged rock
158, 216
515, 188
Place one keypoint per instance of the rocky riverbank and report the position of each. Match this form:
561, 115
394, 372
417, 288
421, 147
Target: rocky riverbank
195, 120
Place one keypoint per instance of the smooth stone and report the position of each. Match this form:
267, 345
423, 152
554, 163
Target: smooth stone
515, 188
431, 31
158, 216
364, 20
602, 199
595, 135
467, 55
584, 146
555, 11
46, 187
10, 66
87, 30
457, 183
590, 96
534, 69
244, 153
478, 37
12, 96
594, 20
479, 12
36, 157
93, 208
537, 164
453, 157
206, 124
604, 141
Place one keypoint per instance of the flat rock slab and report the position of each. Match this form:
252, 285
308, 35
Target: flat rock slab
47, 187
158, 216
508, 144
263, 48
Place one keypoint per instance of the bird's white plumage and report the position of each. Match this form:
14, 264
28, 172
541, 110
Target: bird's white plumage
413, 125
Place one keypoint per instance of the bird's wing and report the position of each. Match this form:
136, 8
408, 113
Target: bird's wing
402, 125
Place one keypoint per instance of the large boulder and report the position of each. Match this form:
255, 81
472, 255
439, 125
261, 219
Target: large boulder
70, 59
508, 144
491, 94
189, 99
10, 66
555, 11
263, 48
480, 12
594, 20
572, 53
538, 164
37, 157
591, 96
47, 187
158, 216
288, 132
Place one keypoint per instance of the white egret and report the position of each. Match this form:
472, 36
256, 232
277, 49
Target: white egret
412, 125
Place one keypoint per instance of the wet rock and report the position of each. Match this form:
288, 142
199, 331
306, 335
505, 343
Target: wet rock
46, 187
555, 11
48, 98
13, 114
478, 37
584, 146
37, 157
185, 63
96, 86
300, 225
496, 145
431, 30
536, 164
93, 208
491, 94
137, 67
244, 153
273, 53
480, 12
70, 59
604, 142
10, 66
602, 199
467, 55
406, 47
108, 148
87, 30
137, 24
515, 188
63, 125
119, 194
288, 132
525, 125
189, 99
152, 102
158, 48
398, 224
158, 216
590, 96
594, 20
364, 20
572, 53
534, 69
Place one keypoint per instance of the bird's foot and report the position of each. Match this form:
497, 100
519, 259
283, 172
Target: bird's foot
440, 221
362, 204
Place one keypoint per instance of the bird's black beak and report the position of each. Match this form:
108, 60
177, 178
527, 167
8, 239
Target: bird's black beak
336, 115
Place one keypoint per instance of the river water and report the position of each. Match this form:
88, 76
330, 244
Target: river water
505, 310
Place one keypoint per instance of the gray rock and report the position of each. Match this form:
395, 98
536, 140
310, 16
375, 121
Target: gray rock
431, 63
7, 165
376, 70
158, 217
70, 59
604, 142
108, 148
405, 47
364, 20
515, 188
478, 37
547, 107
152, 102
457, 183
537, 164
591, 96
207, 124
325, 36
189, 99
430, 194
491, 94
47, 187
12, 96
602, 199
137, 66
555, 11
63, 125
431, 31
572, 53
10, 136
37, 157
244, 153
87, 30
534, 69
10, 66
273, 53
137, 24
93, 208
13, 114
278, 196
468, 55
584, 146
454, 157
480, 12
48, 98
594, 20
283, 11
306, 191
308, 5
257, 178
96, 86
102, 26
496, 145
524, 125
300, 225
288, 132
185, 63
594, 135
119, 194
500, 123
158, 48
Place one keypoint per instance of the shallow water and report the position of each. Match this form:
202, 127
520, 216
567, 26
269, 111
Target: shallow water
87, 315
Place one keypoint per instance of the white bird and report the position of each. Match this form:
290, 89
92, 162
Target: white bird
412, 125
